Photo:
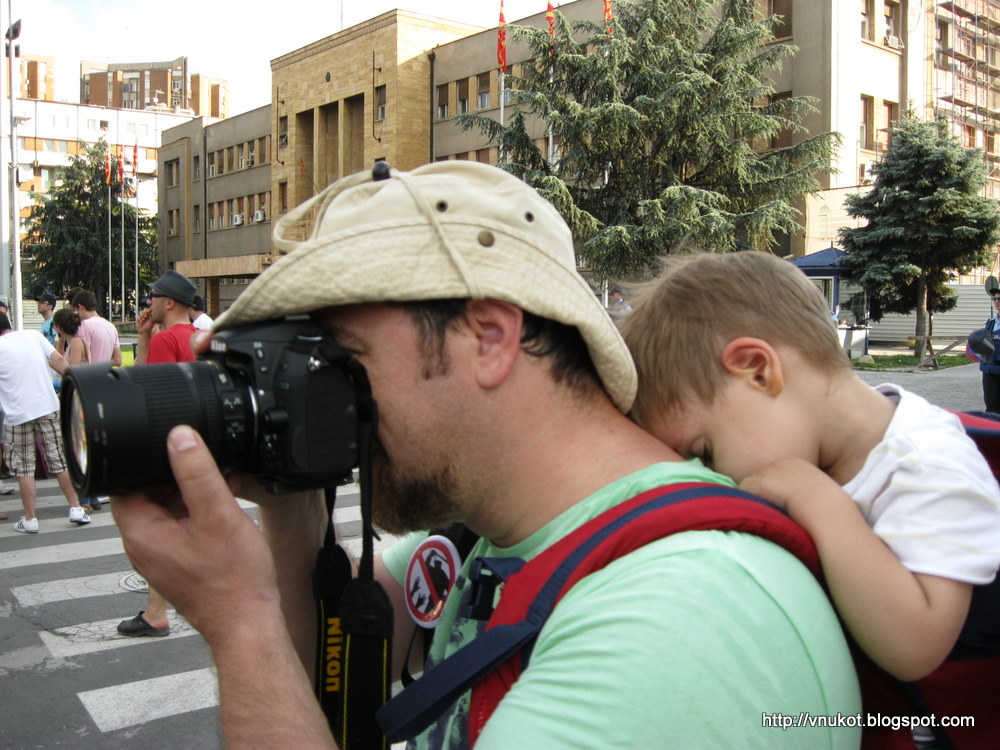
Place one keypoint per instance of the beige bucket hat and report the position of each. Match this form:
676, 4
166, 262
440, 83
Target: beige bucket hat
448, 230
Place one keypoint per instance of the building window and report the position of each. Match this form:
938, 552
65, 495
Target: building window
783, 8
483, 155
173, 222
283, 196
196, 168
969, 136
868, 20
463, 96
891, 113
867, 134
442, 101
197, 218
173, 172
893, 32
379, 103
483, 91
282, 132
211, 216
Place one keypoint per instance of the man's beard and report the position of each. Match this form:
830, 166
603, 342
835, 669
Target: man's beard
413, 503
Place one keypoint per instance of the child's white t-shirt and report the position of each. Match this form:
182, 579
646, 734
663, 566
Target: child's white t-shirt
929, 494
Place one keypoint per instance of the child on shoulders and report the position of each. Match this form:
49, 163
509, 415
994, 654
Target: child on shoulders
740, 366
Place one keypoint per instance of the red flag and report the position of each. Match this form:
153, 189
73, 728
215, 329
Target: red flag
135, 160
107, 167
502, 42
550, 14
607, 15
121, 165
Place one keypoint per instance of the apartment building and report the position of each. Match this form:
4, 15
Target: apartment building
49, 134
166, 86
215, 202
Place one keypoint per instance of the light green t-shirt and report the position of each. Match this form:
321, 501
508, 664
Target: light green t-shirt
696, 641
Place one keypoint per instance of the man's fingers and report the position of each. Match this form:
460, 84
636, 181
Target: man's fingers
195, 471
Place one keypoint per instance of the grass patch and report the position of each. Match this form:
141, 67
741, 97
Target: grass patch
908, 361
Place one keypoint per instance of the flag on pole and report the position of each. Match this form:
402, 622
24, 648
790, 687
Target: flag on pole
607, 15
121, 165
550, 15
502, 42
107, 167
135, 161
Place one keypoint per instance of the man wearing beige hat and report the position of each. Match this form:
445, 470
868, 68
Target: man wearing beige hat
502, 387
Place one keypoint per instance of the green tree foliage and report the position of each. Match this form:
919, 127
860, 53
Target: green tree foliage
925, 218
663, 131
67, 233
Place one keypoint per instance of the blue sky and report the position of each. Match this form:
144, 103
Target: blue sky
233, 41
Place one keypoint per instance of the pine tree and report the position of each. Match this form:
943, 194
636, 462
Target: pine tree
663, 130
67, 232
925, 218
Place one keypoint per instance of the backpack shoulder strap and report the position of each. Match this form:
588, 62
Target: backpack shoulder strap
530, 595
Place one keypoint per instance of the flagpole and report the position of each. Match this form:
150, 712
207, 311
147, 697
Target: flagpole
135, 181
502, 66
550, 15
14, 291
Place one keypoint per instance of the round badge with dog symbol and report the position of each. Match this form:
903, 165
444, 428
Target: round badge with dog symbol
430, 576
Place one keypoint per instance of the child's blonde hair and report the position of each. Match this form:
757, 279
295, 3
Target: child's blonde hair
683, 320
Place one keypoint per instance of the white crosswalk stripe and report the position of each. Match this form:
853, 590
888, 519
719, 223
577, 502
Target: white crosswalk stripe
122, 706
53, 642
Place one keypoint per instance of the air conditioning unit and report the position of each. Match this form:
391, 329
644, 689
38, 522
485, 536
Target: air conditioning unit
259, 216
894, 41
380, 112
237, 219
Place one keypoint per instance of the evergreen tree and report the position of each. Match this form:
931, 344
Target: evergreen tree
662, 130
67, 232
925, 218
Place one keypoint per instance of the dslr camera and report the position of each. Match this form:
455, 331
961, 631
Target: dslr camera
279, 400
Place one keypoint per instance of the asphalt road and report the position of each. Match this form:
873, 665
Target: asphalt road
955, 388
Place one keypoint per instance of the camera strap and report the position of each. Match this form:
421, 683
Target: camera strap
355, 619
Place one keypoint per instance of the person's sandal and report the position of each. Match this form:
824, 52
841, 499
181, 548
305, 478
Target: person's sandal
138, 626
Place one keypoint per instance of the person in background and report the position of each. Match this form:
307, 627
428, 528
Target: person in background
66, 323
100, 334
618, 307
199, 318
31, 411
164, 332
46, 308
991, 368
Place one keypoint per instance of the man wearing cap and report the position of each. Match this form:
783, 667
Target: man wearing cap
990, 367
100, 334
171, 298
46, 307
502, 386
164, 336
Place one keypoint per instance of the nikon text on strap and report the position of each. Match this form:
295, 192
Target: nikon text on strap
355, 620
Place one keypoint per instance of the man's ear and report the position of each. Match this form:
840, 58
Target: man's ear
756, 362
496, 327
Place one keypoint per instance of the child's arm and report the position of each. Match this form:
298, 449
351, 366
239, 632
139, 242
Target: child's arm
906, 622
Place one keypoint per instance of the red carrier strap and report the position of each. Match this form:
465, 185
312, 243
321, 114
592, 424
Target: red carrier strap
492, 662
542, 582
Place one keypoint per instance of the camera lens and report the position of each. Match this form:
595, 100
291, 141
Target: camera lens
115, 420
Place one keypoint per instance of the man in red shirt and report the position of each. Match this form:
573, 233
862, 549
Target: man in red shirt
164, 332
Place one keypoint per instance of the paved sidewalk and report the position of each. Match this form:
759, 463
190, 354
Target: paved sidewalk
957, 388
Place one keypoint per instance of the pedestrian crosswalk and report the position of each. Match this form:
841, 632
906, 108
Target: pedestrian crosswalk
62, 594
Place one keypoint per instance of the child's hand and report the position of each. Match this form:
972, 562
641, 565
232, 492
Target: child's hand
788, 482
